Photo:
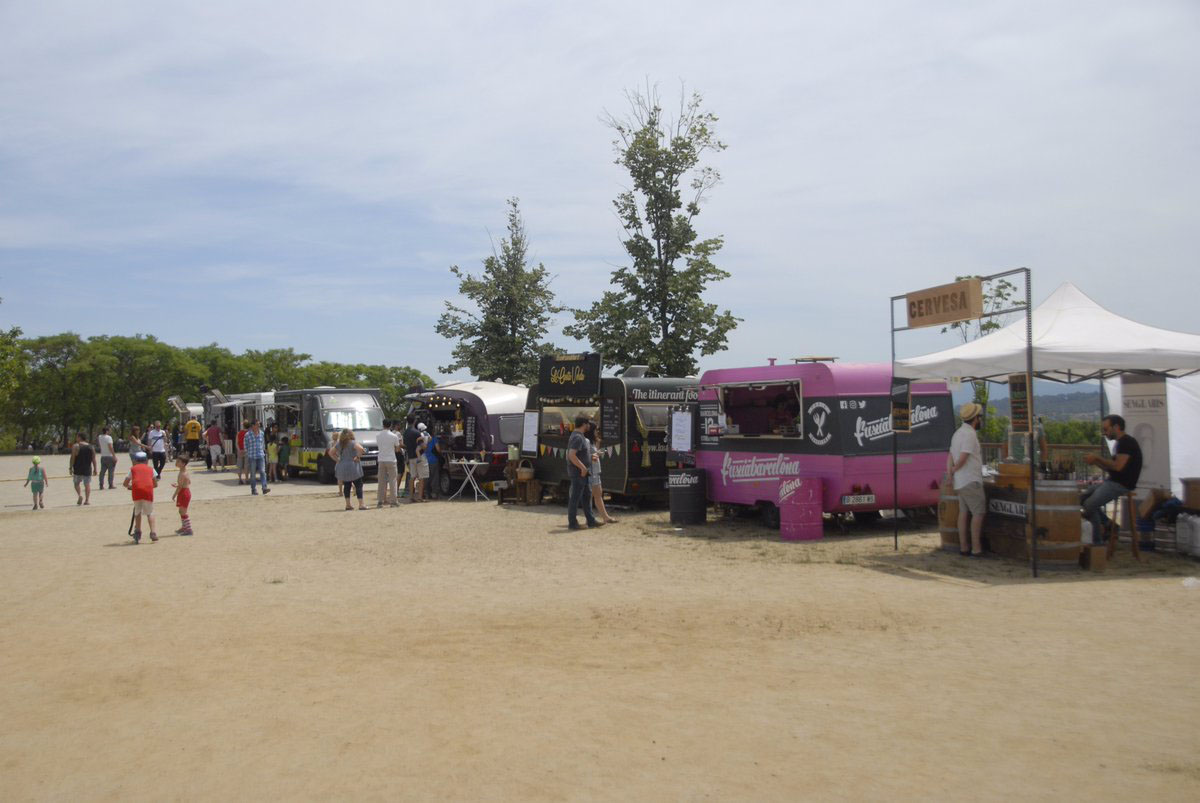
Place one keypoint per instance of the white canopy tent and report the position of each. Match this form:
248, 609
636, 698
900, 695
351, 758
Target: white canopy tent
1074, 339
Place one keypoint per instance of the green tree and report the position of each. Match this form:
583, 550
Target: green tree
50, 390
655, 314
997, 296
511, 308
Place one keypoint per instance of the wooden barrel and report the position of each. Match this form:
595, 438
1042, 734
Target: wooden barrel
948, 515
1058, 514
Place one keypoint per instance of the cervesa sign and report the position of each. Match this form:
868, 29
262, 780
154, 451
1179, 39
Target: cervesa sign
569, 376
946, 303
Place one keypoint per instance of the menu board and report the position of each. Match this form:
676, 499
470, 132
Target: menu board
1018, 399
710, 423
610, 420
681, 431
901, 405
529, 433
469, 431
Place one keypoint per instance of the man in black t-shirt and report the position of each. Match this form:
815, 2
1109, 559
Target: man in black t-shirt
578, 464
83, 466
1124, 468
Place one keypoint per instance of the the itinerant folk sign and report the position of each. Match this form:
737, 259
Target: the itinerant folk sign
1018, 400
946, 303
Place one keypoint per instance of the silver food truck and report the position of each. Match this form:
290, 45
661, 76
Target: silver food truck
475, 421
313, 418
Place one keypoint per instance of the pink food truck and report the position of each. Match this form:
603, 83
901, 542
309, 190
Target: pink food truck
812, 437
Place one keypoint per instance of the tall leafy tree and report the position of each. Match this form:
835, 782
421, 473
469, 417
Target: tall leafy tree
500, 332
656, 314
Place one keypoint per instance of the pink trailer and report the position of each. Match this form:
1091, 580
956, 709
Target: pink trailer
815, 437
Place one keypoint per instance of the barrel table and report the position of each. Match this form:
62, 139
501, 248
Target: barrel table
1006, 530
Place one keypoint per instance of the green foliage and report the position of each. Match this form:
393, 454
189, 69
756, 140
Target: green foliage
995, 427
655, 314
1077, 432
62, 383
500, 337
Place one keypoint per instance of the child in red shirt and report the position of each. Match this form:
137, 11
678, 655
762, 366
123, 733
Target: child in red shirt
183, 495
141, 481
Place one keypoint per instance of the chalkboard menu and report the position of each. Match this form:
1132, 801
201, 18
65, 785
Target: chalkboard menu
1018, 400
569, 376
901, 405
709, 418
610, 420
469, 431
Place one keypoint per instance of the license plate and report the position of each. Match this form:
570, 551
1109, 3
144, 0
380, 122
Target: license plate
859, 499
368, 462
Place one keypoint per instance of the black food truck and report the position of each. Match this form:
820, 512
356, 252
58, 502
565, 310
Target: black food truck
632, 413
313, 418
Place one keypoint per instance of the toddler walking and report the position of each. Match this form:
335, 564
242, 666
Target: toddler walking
183, 495
38, 481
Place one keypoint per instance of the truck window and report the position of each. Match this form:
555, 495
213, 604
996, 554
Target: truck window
359, 420
763, 410
653, 416
561, 420
511, 428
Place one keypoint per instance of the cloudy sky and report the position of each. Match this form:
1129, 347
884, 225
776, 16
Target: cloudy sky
303, 174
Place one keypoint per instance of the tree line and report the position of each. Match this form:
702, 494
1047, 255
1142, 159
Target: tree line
58, 384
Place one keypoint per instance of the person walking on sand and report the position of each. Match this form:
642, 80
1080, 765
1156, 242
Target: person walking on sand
385, 490
37, 482
141, 481
241, 450
135, 441
183, 495
108, 457
158, 447
594, 477
412, 437
212, 436
578, 459
191, 437
421, 483
965, 464
254, 447
348, 470
83, 466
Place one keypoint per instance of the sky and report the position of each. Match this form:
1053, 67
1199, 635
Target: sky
265, 175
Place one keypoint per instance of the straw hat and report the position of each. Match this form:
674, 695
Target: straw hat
969, 411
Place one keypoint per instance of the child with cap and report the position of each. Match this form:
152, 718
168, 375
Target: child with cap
141, 481
38, 482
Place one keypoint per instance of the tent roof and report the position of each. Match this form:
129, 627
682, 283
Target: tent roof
1074, 339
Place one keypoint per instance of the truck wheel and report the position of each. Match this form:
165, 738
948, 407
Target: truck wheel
293, 472
770, 515
443, 483
325, 474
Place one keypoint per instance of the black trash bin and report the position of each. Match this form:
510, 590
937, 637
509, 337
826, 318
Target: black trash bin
688, 490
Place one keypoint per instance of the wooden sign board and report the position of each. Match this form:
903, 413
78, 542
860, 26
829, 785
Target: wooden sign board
1019, 387
947, 303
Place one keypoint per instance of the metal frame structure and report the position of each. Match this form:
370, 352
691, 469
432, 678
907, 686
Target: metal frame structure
1027, 308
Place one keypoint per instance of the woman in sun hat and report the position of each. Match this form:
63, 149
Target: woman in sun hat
37, 481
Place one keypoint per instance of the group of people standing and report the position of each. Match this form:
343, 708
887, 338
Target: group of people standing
583, 469
414, 452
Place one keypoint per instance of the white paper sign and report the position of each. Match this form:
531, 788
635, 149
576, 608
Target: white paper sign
681, 431
529, 435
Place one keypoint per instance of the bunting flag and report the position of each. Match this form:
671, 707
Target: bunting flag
618, 448
542, 446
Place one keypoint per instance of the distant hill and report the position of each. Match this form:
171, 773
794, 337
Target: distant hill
1062, 407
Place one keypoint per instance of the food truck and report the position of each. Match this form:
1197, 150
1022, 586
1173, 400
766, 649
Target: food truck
474, 421
313, 418
230, 411
632, 413
763, 431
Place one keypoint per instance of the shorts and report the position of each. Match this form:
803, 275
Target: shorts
82, 479
37, 487
145, 506
422, 469
593, 479
241, 461
183, 498
971, 497
192, 446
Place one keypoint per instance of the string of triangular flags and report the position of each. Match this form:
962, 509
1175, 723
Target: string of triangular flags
557, 451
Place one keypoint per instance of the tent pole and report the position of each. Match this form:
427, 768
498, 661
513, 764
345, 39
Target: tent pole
895, 471
1033, 552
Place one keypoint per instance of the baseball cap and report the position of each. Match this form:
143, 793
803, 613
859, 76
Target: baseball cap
421, 427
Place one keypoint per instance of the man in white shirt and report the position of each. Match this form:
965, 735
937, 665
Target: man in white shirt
157, 440
108, 458
388, 442
966, 464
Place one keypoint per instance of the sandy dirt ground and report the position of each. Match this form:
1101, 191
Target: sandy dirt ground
457, 650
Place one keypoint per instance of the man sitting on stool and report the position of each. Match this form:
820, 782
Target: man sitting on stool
1124, 468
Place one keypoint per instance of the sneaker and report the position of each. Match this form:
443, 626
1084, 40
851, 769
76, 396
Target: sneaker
153, 536
266, 491
254, 493
35, 507
137, 536
185, 533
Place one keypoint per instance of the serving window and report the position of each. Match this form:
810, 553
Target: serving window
653, 417
560, 419
762, 410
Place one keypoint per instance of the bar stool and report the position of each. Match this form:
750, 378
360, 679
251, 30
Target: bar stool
1131, 507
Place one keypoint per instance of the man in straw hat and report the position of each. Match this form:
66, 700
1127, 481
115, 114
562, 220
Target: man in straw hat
966, 465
